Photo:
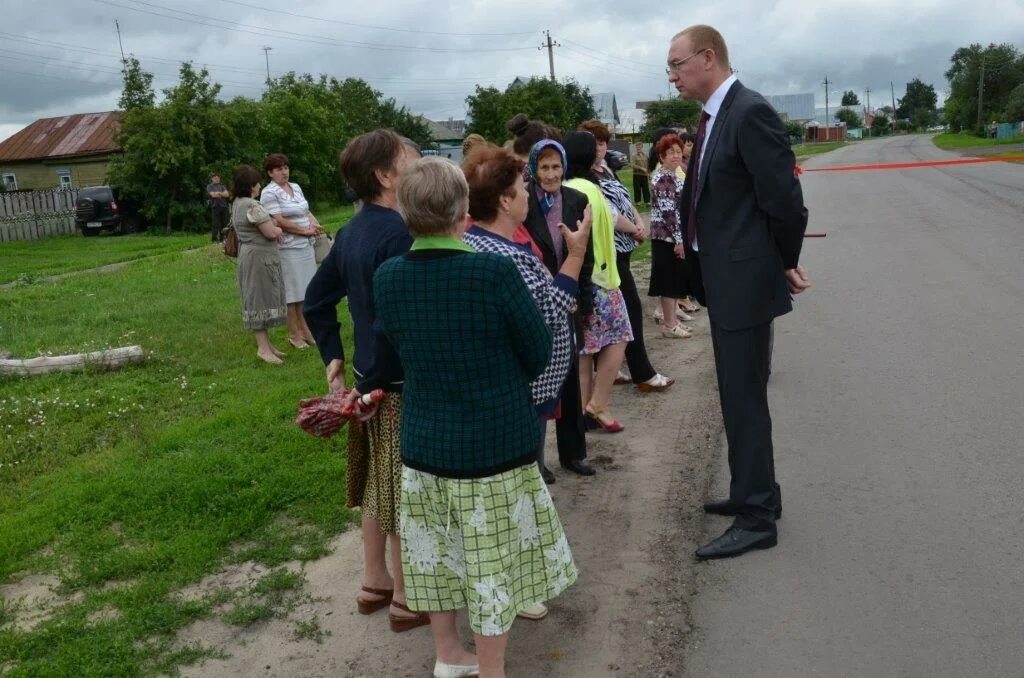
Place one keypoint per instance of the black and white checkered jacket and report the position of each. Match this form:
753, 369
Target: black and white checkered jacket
555, 297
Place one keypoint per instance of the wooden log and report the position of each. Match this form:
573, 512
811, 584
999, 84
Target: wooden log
107, 360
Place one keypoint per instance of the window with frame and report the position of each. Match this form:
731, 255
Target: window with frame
64, 179
10, 181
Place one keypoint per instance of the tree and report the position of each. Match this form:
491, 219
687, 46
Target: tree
850, 117
918, 104
1015, 105
674, 112
850, 98
169, 149
795, 131
1004, 70
138, 86
563, 105
880, 125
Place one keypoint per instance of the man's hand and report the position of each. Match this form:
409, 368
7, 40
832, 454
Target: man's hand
797, 279
336, 374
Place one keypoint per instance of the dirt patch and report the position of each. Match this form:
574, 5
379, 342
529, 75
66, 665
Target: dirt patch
238, 577
35, 598
633, 529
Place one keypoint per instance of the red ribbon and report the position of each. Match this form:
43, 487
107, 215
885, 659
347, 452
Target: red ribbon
798, 170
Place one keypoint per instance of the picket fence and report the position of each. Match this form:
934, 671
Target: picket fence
37, 214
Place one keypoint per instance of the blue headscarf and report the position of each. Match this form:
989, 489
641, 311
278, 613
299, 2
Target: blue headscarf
547, 200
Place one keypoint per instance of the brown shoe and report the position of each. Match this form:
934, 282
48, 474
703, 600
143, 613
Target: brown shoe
371, 606
402, 624
655, 384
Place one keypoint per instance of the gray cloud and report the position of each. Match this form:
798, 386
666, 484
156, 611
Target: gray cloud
58, 57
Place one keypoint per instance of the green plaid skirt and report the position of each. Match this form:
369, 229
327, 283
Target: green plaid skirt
491, 545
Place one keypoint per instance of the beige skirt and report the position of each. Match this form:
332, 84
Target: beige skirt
374, 474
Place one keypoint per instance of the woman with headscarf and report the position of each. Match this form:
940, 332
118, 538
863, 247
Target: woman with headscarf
606, 330
552, 203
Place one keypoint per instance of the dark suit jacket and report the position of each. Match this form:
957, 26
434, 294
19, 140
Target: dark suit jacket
573, 204
750, 214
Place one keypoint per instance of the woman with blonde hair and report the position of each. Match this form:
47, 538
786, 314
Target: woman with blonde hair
479, 529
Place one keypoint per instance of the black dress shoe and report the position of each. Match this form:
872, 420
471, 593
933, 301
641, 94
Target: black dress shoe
736, 541
579, 466
547, 475
727, 508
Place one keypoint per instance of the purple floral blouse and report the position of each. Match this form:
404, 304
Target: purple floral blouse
666, 223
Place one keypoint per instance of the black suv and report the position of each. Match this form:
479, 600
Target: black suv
100, 208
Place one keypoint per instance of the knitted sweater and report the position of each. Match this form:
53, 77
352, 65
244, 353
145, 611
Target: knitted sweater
602, 234
470, 339
555, 297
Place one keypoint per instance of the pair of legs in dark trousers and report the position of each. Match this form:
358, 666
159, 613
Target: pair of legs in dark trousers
641, 188
742, 363
640, 368
570, 428
219, 217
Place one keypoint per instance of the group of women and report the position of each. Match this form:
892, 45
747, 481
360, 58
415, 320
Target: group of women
276, 261
486, 300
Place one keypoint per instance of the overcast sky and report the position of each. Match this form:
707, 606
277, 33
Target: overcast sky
59, 57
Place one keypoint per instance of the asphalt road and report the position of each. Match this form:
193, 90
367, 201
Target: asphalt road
898, 403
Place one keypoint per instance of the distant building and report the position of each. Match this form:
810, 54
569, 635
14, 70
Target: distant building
796, 107
65, 152
607, 109
457, 126
442, 134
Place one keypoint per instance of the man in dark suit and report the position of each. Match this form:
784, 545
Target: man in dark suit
745, 219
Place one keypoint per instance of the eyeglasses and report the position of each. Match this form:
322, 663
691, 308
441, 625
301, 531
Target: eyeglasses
678, 63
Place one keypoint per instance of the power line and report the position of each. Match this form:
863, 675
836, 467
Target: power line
278, 10
622, 69
263, 31
627, 61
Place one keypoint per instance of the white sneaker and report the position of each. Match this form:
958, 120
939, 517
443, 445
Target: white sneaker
535, 611
677, 332
442, 670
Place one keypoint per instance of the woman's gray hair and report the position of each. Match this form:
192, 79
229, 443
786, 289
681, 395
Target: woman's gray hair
433, 197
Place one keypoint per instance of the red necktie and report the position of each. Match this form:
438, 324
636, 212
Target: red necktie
698, 145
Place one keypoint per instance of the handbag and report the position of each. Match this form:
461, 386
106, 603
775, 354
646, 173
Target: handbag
230, 242
322, 247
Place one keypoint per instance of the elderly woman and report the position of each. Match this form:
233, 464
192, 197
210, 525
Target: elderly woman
498, 204
285, 202
371, 165
606, 330
259, 267
479, 530
668, 268
550, 204
629, 232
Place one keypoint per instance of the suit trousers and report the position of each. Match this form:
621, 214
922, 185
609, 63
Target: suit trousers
641, 188
742, 364
219, 221
640, 368
570, 428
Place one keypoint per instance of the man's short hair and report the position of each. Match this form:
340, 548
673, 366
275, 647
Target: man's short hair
704, 37
432, 196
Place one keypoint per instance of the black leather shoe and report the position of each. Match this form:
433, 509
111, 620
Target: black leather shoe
579, 466
547, 475
727, 508
736, 541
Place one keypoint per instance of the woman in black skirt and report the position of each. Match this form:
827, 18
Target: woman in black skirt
668, 267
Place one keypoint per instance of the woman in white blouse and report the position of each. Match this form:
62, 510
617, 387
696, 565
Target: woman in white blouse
286, 203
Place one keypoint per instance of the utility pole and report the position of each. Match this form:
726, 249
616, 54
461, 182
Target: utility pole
124, 61
551, 53
266, 54
981, 93
892, 91
867, 107
828, 120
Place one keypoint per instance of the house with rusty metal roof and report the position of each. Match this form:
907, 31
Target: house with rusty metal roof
66, 152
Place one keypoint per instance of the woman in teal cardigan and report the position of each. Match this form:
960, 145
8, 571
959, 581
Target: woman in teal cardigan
479, 530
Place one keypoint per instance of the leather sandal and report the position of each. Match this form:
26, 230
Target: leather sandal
371, 606
608, 427
401, 624
655, 384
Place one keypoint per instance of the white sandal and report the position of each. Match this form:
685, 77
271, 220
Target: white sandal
677, 332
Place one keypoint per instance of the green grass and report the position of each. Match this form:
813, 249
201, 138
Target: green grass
29, 260
131, 484
807, 150
952, 141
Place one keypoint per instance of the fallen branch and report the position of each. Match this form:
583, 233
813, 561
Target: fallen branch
108, 360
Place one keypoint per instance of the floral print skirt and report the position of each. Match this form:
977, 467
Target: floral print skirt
491, 545
608, 324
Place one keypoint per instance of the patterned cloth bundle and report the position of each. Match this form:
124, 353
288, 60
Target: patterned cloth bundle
324, 416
